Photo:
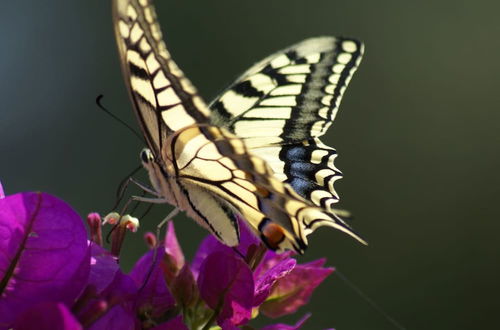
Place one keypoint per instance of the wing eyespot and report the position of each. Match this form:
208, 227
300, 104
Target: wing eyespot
272, 234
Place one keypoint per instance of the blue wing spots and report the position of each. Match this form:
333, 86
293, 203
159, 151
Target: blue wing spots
297, 153
302, 186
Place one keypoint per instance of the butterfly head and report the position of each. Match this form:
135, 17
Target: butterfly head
157, 175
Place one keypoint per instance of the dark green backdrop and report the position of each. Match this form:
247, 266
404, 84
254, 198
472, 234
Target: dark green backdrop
417, 134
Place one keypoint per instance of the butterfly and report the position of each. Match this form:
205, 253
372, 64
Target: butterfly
255, 151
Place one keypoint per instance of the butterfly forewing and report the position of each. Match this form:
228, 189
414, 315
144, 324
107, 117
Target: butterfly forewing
164, 99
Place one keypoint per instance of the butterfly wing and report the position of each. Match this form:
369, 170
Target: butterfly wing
283, 104
164, 99
218, 178
218, 167
165, 102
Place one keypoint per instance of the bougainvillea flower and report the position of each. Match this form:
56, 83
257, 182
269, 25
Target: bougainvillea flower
103, 268
294, 290
47, 316
2, 194
280, 285
44, 257
52, 277
184, 288
266, 282
208, 246
172, 246
153, 297
226, 285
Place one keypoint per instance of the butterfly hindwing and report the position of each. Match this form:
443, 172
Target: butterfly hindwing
283, 104
218, 164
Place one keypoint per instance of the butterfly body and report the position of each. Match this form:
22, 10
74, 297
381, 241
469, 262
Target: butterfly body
255, 151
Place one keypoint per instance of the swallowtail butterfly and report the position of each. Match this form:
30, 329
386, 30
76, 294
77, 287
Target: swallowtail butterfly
254, 151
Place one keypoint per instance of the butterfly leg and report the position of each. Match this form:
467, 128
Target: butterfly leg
169, 216
150, 200
124, 186
144, 187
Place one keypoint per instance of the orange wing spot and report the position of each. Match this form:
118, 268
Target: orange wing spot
262, 192
273, 235
248, 176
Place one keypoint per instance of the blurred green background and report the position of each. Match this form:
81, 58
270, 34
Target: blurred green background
417, 134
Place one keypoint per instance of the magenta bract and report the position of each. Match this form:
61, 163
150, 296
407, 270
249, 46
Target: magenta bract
44, 256
265, 282
226, 285
103, 268
154, 296
47, 316
294, 290
172, 246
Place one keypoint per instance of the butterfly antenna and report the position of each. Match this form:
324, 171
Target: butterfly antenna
370, 302
99, 104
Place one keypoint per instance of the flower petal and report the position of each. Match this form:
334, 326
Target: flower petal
113, 305
44, 257
154, 293
294, 290
228, 325
2, 194
271, 259
47, 316
103, 267
172, 246
118, 317
174, 258
226, 284
265, 282
209, 245
184, 288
